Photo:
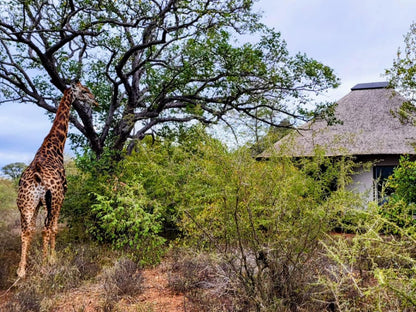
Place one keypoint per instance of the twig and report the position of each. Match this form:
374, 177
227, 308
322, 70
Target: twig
8, 289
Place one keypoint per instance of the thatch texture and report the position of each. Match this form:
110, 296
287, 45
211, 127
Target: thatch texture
368, 128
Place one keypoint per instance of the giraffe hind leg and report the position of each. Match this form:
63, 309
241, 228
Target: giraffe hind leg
56, 208
46, 233
28, 223
26, 239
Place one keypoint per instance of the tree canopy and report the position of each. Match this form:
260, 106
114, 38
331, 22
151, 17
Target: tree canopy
152, 63
402, 75
14, 170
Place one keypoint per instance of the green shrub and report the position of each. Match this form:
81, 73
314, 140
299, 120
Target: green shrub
112, 207
133, 204
403, 180
400, 215
128, 219
369, 271
400, 209
265, 219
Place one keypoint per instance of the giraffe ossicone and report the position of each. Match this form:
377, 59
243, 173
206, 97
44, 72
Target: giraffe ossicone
43, 183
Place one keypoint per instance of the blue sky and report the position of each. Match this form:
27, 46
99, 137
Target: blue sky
357, 38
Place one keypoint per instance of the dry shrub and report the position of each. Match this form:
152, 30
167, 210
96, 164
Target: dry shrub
9, 258
86, 259
43, 282
218, 282
27, 298
124, 279
208, 283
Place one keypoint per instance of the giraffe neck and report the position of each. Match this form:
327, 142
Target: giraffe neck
53, 145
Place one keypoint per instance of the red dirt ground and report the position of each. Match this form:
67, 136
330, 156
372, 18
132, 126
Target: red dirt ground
157, 294
156, 297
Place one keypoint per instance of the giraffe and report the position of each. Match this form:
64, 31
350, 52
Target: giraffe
43, 183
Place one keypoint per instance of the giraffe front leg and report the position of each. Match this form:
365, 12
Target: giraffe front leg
52, 238
50, 231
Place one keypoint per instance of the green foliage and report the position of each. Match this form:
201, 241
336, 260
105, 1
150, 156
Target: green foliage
400, 209
128, 219
112, 207
402, 76
369, 271
7, 194
403, 180
267, 225
262, 218
401, 216
163, 62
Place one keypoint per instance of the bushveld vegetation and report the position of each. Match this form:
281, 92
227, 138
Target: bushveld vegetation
234, 234
238, 234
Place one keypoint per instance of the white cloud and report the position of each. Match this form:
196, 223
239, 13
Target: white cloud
357, 38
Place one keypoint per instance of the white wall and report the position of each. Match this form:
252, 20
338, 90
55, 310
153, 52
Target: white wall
363, 181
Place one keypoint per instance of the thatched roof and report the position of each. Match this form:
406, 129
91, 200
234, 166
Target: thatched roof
368, 127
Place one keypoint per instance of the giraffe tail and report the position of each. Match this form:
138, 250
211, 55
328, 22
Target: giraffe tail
37, 173
48, 202
48, 194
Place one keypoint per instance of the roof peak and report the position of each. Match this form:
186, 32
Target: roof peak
370, 85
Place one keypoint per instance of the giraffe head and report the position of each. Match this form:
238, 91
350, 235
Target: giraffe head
82, 94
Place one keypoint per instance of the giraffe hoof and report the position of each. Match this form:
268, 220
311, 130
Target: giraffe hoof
21, 273
52, 259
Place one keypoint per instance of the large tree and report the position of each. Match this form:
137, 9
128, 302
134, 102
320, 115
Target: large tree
14, 170
152, 62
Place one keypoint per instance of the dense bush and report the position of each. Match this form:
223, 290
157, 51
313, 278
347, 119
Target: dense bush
133, 204
111, 206
400, 208
403, 180
369, 271
127, 218
260, 230
265, 219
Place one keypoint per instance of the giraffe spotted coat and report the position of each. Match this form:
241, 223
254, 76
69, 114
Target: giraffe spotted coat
43, 183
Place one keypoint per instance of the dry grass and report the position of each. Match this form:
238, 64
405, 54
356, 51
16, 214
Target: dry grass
208, 283
124, 279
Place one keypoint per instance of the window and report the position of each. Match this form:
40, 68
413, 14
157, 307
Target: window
380, 175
